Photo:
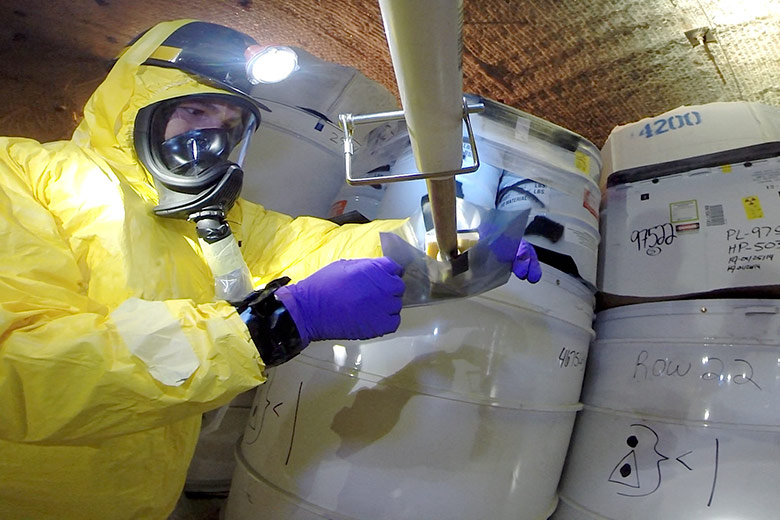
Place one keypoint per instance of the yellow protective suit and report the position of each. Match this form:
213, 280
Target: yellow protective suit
111, 343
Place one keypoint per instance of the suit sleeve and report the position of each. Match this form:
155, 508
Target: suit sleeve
279, 245
73, 371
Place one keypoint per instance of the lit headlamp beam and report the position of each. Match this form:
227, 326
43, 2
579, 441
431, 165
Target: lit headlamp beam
270, 64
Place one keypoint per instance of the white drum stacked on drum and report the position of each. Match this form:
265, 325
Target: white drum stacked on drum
466, 412
554, 173
680, 416
680, 393
692, 205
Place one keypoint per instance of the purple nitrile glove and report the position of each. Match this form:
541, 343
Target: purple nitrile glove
526, 264
348, 299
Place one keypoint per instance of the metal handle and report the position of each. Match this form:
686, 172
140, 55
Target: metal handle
349, 121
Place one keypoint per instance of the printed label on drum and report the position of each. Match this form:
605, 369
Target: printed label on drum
687, 228
752, 207
714, 215
590, 201
517, 193
764, 173
684, 211
581, 238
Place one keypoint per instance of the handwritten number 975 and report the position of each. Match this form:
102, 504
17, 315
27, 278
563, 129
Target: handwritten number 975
653, 237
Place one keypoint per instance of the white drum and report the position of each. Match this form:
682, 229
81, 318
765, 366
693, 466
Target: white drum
680, 416
563, 227
554, 173
465, 412
694, 134
708, 230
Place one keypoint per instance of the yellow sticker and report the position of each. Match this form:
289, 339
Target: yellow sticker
752, 207
582, 161
726, 168
166, 53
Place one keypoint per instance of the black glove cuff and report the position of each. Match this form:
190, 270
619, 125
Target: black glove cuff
269, 322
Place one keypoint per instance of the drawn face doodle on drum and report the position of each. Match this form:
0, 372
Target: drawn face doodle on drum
638, 473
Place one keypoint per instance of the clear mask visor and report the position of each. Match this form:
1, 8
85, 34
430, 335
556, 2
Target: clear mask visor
197, 133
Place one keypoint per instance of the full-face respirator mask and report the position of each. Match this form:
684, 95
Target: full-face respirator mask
194, 147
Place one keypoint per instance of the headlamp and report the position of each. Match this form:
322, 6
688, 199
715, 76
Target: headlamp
269, 64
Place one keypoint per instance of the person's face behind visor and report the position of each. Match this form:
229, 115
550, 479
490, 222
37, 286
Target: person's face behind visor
197, 133
197, 115
193, 146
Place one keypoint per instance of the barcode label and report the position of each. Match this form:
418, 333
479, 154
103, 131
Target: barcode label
714, 215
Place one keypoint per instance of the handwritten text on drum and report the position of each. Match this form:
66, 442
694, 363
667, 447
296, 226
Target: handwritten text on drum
720, 370
743, 244
759, 238
571, 358
651, 239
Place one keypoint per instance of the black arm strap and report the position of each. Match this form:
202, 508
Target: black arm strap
269, 322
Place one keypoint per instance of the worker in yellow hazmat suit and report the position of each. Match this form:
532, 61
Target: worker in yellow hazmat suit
112, 339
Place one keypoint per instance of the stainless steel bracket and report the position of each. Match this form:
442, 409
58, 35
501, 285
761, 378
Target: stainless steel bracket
349, 121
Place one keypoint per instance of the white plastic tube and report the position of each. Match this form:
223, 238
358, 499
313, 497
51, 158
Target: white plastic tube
425, 47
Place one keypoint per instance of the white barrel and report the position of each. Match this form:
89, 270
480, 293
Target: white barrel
554, 173
403, 199
680, 415
691, 207
697, 232
465, 412
562, 226
694, 134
